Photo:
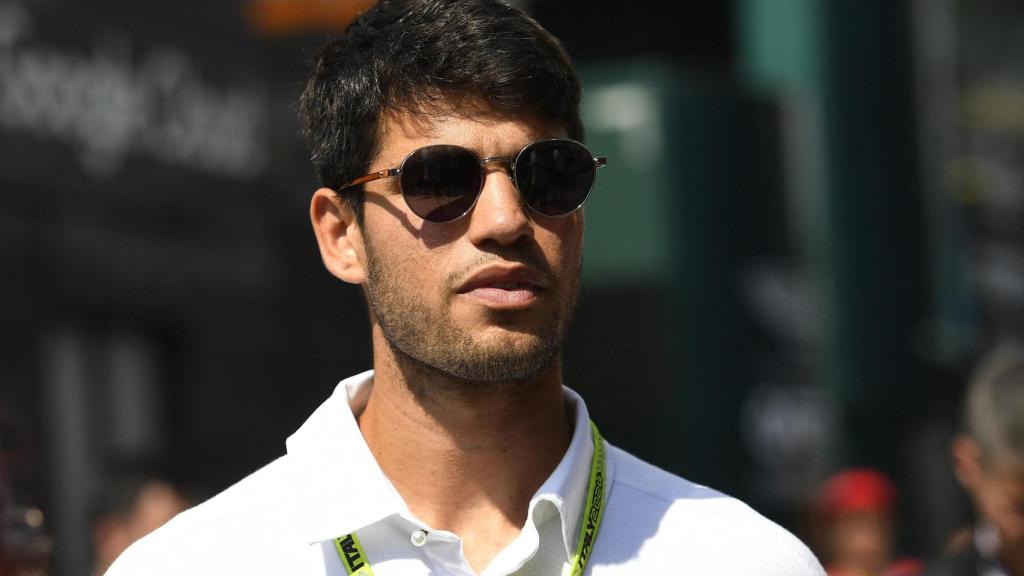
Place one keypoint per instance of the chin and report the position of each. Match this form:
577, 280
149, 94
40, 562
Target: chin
516, 359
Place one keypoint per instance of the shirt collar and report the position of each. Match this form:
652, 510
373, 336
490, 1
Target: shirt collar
343, 489
567, 486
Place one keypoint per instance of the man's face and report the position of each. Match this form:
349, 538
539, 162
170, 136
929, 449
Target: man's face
999, 494
996, 485
487, 297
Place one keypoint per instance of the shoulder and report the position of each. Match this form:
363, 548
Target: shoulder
672, 525
224, 534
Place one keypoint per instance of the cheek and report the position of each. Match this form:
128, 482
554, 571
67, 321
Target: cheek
395, 239
562, 239
1007, 504
415, 270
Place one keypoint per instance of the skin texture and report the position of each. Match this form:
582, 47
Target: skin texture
997, 489
466, 415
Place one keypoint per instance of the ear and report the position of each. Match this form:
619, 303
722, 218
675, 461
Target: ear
967, 461
338, 235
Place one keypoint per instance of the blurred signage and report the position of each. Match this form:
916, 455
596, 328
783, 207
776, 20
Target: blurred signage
115, 101
988, 174
625, 110
788, 428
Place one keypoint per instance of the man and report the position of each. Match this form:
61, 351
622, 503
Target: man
445, 135
989, 462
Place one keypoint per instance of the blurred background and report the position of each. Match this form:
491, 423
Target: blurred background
811, 225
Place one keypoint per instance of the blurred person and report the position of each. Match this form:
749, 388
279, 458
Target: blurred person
446, 140
988, 458
130, 506
857, 508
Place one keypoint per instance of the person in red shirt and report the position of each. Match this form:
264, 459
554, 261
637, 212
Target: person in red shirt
857, 509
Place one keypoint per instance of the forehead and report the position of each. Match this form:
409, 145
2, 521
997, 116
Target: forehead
478, 128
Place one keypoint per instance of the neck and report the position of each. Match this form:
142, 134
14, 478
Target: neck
466, 457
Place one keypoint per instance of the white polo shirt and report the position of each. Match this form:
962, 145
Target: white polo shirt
283, 519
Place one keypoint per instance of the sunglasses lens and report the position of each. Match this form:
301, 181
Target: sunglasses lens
441, 183
555, 176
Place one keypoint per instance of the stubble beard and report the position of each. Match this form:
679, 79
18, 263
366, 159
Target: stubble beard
428, 341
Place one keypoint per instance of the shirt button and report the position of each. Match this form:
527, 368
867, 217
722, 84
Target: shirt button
419, 538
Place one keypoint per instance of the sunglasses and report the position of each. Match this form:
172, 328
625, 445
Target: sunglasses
442, 182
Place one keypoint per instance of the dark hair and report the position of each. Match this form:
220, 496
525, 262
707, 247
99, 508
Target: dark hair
410, 55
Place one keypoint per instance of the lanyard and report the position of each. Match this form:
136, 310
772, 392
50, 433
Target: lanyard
356, 563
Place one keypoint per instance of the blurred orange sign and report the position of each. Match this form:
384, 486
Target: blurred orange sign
284, 17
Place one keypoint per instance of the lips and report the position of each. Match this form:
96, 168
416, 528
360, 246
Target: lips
504, 278
504, 286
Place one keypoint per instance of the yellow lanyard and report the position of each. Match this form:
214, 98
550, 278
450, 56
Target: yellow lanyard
354, 558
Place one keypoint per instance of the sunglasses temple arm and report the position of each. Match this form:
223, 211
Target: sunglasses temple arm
600, 161
389, 173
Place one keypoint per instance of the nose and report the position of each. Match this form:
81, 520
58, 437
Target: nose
499, 214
